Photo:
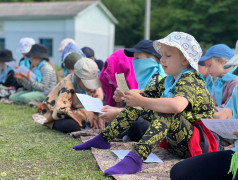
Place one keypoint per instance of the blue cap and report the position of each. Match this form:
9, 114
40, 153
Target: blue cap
71, 47
89, 52
219, 51
142, 46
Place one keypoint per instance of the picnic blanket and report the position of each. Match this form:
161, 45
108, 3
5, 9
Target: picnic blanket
105, 158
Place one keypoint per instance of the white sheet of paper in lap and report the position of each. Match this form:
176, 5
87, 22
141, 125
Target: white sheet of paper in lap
90, 103
122, 85
23, 69
223, 127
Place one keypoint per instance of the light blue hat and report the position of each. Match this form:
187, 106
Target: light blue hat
71, 47
219, 51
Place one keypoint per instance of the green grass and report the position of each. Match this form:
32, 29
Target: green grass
31, 151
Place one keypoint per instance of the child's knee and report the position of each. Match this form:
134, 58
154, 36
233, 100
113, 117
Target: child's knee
14, 97
24, 99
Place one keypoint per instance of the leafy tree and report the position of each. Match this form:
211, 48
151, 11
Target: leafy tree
130, 14
210, 22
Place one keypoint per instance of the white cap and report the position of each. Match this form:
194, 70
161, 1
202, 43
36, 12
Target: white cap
64, 43
25, 44
186, 43
87, 70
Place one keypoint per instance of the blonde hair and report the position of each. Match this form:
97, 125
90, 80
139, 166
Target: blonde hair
220, 59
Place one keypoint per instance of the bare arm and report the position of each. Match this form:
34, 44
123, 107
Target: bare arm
223, 114
110, 113
163, 105
120, 96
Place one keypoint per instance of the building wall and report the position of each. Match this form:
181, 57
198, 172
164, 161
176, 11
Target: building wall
90, 28
54, 29
95, 30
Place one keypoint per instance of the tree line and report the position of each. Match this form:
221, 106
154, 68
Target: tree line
210, 22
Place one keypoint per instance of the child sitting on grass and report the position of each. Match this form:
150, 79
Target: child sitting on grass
8, 83
173, 106
62, 109
46, 77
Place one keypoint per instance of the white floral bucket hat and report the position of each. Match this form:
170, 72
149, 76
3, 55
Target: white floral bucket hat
234, 60
186, 43
25, 44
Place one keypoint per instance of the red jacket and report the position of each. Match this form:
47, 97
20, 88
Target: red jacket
194, 143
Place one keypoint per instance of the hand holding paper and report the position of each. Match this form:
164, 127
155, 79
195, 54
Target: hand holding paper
122, 86
121, 82
118, 95
21, 69
24, 70
90, 103
132, 98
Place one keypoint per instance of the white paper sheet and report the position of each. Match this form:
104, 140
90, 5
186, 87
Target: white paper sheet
24, 70
151, 158
90, 103
122, 85
121, 82
12, 64
16, 68
223, 127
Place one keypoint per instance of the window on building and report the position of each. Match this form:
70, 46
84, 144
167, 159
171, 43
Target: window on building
49, 44
2, 43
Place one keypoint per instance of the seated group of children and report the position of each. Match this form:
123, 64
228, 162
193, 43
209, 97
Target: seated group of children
165, 83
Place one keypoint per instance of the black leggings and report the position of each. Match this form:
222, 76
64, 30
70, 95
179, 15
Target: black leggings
70, 125
209, 166
66, 125
137, 130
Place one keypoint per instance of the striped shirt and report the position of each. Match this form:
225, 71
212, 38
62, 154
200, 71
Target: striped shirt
49, 80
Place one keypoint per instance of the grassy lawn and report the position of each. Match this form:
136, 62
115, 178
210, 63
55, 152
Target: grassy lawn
31, 151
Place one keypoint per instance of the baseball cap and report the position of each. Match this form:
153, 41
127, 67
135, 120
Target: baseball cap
87, 70
64, 43
71, 47
142, 46
89, 52
219, 51
71, 59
